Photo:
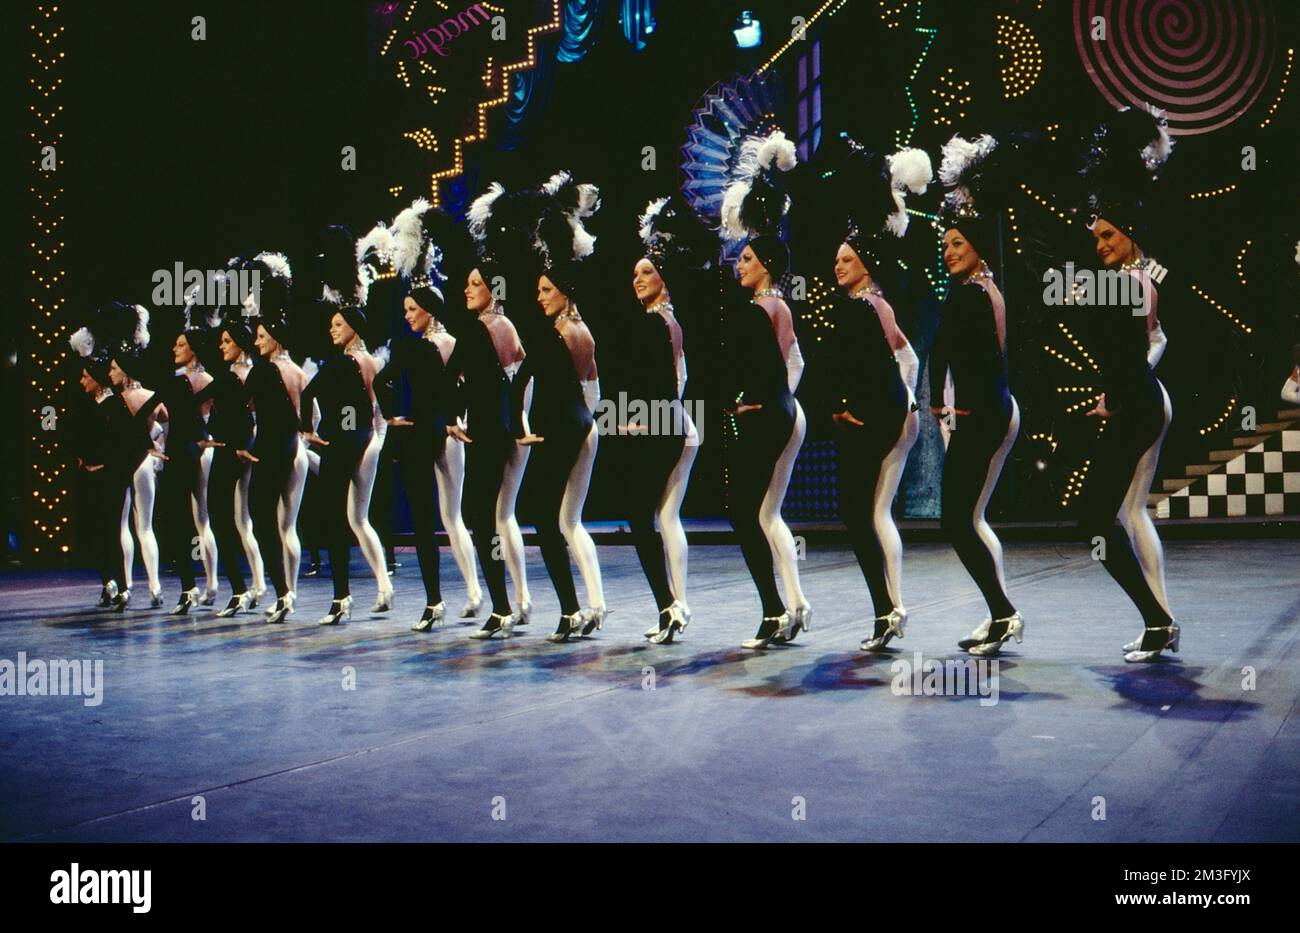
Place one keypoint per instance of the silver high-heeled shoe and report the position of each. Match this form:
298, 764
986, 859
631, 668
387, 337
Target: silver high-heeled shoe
282, 609
238, 603
523, 614
106, 595
991, 646
156, 600
593, 620
974, 638
432, 616
384, 602
569, 625
761, 641
189, 599
495, 624
209, 597
801, 620
471, 607
339, 609
886, 627
1171, 633
678, 619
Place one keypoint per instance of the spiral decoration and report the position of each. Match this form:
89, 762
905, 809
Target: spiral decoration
1203, 61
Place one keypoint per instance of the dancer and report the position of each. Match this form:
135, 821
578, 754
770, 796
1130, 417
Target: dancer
420, 425
274, 453
764, 367
578, 202
345, 291
110, 447
191, 346
486, 344
556, 425
984, 418
129, 365
871, 378
1127, 150
241, 366
230, 429
664, 443
179, 485
414, 229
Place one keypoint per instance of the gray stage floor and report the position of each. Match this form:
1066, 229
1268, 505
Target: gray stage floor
442, 736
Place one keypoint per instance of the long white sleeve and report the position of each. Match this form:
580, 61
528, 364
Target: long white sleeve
909, 366
1156, 343
1291, 390
794, 366
591, 393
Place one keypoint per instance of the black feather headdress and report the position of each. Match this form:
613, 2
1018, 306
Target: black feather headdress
674, 238
1123, 161
872, 187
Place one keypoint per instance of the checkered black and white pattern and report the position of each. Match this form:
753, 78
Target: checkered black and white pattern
1264, 480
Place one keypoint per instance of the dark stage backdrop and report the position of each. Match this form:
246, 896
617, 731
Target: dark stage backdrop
179, 150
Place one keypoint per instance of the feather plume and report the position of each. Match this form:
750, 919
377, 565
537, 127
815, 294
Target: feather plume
277, 264
140, 334
911, 169
732, 199
647, 219
83, 341
480, 210
408, 238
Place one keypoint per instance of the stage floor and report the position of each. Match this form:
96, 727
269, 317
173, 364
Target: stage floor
443, 736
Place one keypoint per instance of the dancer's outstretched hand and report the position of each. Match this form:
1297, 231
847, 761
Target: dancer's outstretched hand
245, 455
846, 417
207, 443
529, 440
309, 437
400, 422
456, 431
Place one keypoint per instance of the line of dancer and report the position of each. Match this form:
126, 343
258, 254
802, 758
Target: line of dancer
472, 399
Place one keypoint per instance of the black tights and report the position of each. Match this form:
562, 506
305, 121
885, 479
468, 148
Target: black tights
1129, 434
269, 481
416, 455
222, 480
485, 466
178, 484
105, 494
652, 461
338, 465
860, 457
549, 466
751, 461
978, 449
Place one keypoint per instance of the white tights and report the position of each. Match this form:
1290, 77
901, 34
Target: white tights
207, 540
1136, 520
882, 515
450, 469
670, 509
580, 543
139, 505
774, 527
287, 513
512, 540
244, 525
359, 492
